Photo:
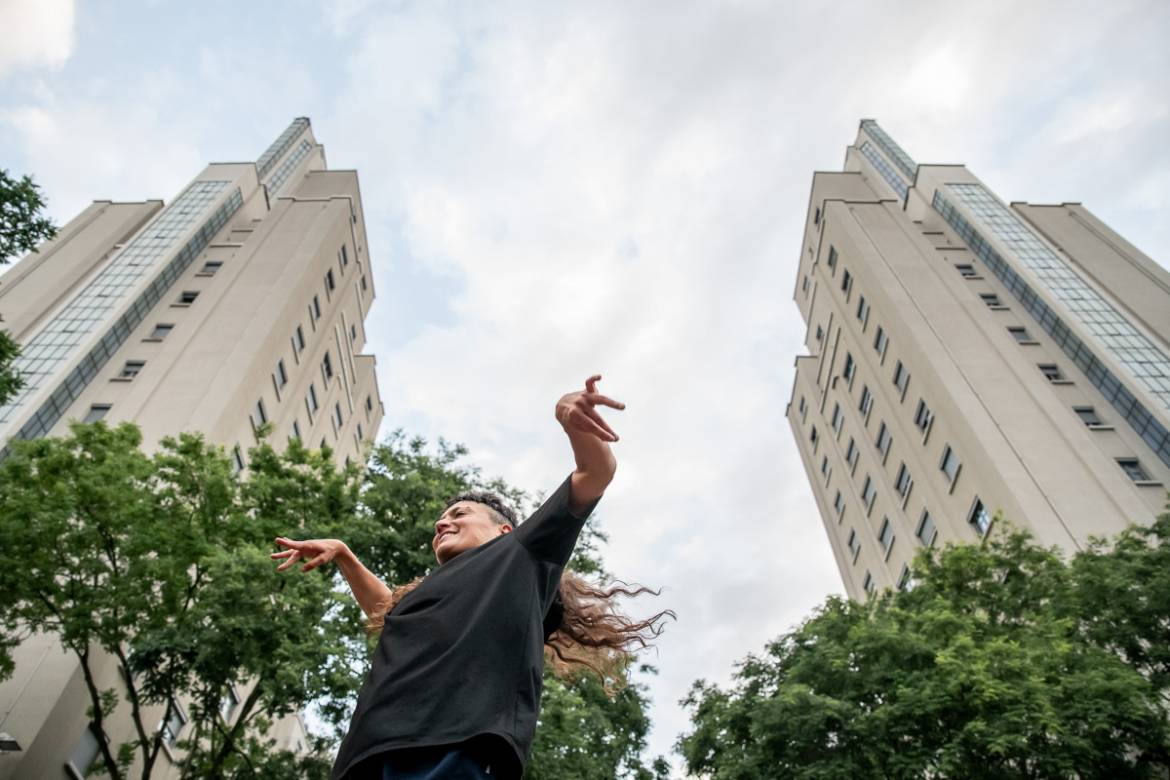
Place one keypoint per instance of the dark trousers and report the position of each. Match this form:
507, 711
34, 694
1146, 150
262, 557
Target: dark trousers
446, 762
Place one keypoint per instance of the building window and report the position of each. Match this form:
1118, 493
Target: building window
863, 311
991, 299
839, 504
237, 460
210, 267
886, 536
868, 584
315, 308
131, 369
804, 284
327, 368
187, 297
330, 284
299, 340
803, 408
1088, 416
926, 532
161, 331
1051, 372
172, 724
866, 402
923, 417
296, 429
820, 333
903, 483
846, 283
281, 375
311, 401
259, 413
363, 282
852, 452
344, 256
1020, 334
825, 466
812, 437
868, 493
881, 341
227, 706
949, 464
352, 333
337, 414
966, 270
817, 216
369, 404
850, 369
838, 419
854, 544
1133, 469
85, 752
96, 412
832, 259
904, 581
883, 440
978, 517
360, 433
901, 378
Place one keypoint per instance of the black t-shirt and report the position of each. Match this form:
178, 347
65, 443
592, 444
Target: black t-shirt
461, 656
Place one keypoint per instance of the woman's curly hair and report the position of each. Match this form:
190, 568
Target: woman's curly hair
591, 633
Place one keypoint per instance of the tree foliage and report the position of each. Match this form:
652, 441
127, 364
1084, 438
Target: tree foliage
162, 562
22, 227
22, 223
1003, 661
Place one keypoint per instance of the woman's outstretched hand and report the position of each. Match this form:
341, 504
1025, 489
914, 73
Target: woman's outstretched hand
575, 411
316, 551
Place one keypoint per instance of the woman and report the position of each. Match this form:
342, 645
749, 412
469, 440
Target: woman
454, 690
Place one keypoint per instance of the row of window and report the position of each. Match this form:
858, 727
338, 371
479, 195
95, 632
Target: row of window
1051, 371
259, 415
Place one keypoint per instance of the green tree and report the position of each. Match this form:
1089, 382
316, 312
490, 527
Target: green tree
22, 227
1003, 661
161, 562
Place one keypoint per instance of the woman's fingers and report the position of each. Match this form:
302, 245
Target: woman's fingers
293, 558
284, 554
584, 423
283, 542
598, 398
597, 419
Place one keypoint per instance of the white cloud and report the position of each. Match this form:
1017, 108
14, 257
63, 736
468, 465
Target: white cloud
37, 33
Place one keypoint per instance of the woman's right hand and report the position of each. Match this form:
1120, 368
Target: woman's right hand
316, 551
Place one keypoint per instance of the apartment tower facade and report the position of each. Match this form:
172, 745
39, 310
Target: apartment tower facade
968, 359
241, 302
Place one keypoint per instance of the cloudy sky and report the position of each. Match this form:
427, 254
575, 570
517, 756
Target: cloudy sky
556, 190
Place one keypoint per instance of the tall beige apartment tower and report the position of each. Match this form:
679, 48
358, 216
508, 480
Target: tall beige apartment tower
241, 302
968, 356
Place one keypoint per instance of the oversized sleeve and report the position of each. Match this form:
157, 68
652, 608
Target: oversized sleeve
551, 532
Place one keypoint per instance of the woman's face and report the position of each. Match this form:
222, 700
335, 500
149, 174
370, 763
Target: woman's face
464, 525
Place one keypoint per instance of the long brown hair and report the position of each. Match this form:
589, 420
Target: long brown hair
592, 634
